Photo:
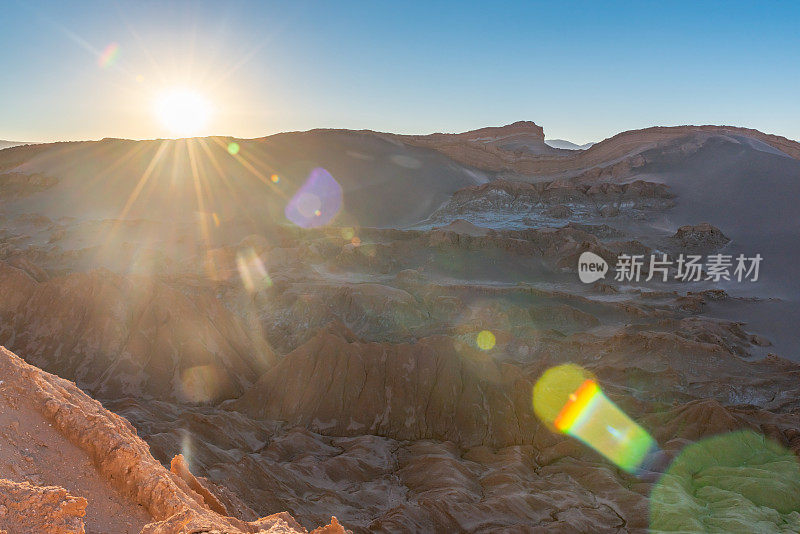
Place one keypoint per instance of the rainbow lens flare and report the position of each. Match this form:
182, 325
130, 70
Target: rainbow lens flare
109, 56
568, 398
316, 202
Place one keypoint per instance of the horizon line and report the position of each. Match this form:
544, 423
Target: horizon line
368, 130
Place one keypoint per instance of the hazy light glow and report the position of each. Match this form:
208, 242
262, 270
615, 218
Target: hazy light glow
185, 113
568, 399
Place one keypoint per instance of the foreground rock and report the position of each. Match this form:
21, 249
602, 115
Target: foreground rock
35, 509
123, 459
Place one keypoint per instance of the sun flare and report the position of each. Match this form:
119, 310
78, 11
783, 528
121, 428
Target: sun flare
184, 112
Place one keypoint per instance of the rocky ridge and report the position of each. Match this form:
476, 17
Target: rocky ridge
503, 203
177, 502
472, 148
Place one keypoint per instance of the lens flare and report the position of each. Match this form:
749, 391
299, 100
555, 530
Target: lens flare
200, 383
275, 178
735, 482
233, 148
317, 202
485, 340
568, 399
252, 271
186, 446
109, 56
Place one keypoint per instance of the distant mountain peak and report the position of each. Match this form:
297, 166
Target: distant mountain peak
515, 128
9, 144
568, 145
523, 124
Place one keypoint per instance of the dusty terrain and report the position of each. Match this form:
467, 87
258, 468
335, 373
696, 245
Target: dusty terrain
335, 370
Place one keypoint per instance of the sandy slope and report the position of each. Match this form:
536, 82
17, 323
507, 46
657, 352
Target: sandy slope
31, 450
751, 195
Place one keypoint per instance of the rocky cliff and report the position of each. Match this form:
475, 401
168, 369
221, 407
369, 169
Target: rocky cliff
173, 502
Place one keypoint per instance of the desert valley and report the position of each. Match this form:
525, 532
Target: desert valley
246, 335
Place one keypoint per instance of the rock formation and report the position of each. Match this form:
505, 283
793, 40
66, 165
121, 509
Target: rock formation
429, 390
131, 336
40, 509
177, 502
700, 238
504, 204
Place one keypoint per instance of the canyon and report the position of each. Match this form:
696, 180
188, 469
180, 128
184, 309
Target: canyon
194, 361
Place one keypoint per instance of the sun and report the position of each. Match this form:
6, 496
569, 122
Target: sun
184, 112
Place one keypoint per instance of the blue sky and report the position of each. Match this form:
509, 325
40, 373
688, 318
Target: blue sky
583, 71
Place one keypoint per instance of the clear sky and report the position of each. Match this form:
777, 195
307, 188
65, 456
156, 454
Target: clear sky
583, 71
